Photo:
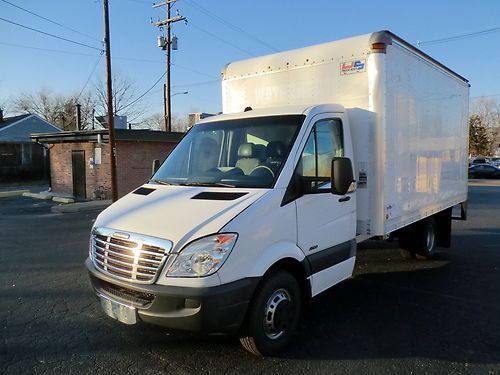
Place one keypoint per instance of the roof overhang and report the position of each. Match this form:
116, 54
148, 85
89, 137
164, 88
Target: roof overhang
102, 136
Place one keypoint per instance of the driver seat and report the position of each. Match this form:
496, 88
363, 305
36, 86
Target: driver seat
247, 158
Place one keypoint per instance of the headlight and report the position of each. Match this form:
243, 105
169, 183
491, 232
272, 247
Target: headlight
204, 256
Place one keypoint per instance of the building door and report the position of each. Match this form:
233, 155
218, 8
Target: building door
78, 167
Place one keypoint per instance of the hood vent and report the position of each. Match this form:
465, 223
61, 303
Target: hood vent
218, 196
144, 191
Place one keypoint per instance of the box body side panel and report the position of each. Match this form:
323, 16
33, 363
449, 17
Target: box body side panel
425, 136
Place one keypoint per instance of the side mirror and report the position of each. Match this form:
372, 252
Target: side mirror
341, 175
156, 165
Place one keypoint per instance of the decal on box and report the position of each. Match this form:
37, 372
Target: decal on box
353, 66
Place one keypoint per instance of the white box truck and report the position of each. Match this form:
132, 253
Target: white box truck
259, 209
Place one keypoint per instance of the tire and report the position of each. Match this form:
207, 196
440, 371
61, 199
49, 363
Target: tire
273, 315
428, 239
419, 240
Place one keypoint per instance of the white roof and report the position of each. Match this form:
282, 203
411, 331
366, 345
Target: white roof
275, 111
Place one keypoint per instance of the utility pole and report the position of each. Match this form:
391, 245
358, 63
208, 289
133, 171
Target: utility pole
109, 87
168, 125
167, 45
166, 107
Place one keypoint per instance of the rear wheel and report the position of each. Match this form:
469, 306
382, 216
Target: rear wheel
419, 240
426, 245
273, 315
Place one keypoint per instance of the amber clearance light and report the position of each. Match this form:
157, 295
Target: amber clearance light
378, 46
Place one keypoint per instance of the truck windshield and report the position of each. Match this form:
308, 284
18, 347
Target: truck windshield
232, 153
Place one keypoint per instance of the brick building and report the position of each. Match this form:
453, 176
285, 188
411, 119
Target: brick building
80, 165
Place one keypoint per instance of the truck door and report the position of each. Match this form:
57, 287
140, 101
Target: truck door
326, 222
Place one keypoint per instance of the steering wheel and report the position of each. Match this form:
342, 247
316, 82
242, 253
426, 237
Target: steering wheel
263, 168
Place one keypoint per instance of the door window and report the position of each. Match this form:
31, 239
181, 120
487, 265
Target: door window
324, 143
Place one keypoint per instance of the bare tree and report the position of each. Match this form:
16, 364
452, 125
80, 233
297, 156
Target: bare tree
5, 106
125, 96
157, 122
153, 122
180, 123
87, 103
488, 111
57, 109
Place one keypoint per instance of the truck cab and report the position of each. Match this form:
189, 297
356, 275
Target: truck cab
241, 218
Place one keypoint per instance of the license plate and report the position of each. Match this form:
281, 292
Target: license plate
122, 313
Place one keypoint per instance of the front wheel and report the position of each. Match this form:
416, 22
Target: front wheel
273, 315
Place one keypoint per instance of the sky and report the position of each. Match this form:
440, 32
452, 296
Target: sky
221, 31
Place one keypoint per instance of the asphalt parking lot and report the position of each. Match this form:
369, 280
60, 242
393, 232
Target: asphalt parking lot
394, 316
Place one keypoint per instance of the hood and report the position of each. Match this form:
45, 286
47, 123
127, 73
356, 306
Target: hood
177, 213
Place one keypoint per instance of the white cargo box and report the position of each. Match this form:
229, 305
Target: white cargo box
408, 116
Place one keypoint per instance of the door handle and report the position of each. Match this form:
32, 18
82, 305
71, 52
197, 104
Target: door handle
344, 199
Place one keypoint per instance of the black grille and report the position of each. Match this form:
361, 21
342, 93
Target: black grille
129, 295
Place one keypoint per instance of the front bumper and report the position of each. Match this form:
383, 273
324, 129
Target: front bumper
218, 309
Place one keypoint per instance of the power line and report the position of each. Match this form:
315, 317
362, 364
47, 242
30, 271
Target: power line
484, 96
140, 2
458, 37
230, 25
46, 49
79, 53
193, 70
192, 84
197, 83
90, 76
222, 40
113, 58
145, 93
51, 21
49, 34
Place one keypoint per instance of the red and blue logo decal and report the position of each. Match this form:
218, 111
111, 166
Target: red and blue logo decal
353, 66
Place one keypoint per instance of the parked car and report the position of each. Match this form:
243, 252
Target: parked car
476, 161
484, 171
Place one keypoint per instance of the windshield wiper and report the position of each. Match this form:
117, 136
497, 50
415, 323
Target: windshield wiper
161, 182
208, 184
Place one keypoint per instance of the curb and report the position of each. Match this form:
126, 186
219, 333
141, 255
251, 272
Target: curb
38, 196
63, 200
12, 193
81, 206
484, 182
